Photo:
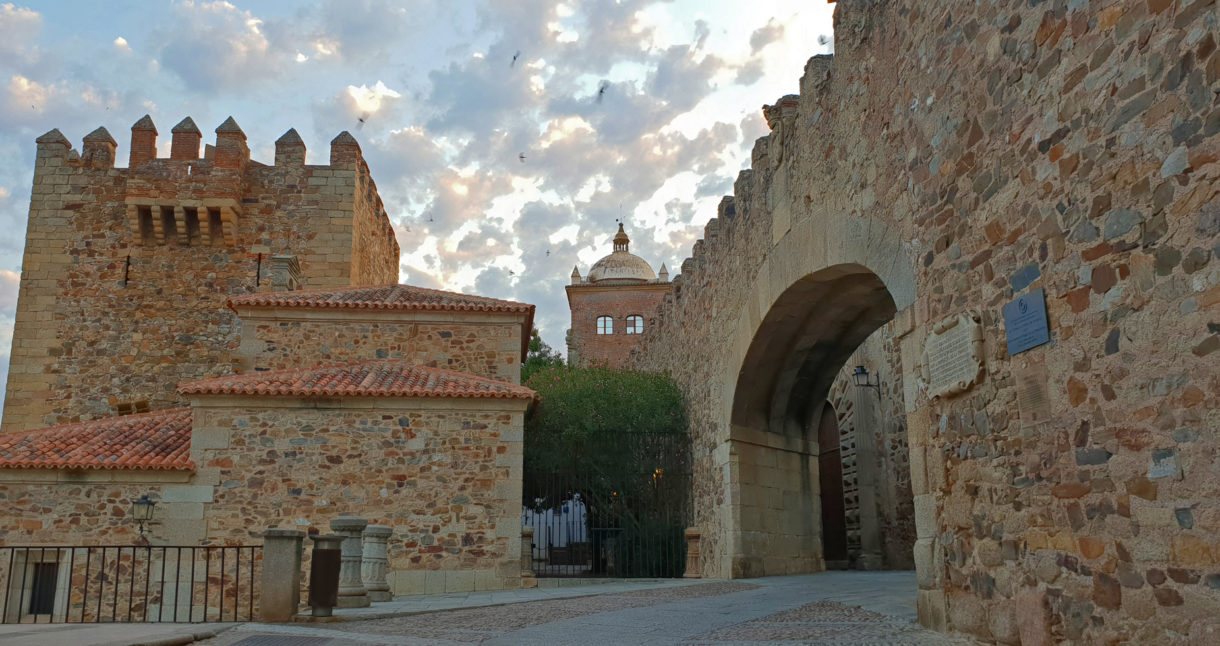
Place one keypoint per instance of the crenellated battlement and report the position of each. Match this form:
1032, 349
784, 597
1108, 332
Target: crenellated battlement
160, 245
229, 150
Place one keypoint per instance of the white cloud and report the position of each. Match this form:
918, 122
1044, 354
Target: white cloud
25, 94
214, 45
121, 45
18, 27
369, 99
9, 282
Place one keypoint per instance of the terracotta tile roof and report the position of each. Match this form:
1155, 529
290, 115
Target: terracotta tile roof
360, 379
383, 297
156, 440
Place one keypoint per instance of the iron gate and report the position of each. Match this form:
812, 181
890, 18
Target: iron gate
129, 583
615, 508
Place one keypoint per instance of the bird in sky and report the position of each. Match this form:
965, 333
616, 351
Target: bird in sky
514, 61
362, 119
601, 91
521, 157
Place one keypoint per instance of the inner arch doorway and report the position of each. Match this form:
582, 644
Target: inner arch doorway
780, 421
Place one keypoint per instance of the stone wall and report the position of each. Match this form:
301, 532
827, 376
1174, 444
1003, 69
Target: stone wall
481, 344
444, 473
44, 507
126, 270
588, 302
959, 156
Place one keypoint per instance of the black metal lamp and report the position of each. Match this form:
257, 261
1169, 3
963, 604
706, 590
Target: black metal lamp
142, 510
862, 379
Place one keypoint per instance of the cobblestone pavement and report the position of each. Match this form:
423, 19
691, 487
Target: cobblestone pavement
836, 608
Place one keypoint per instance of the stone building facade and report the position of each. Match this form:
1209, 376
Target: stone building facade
613, 306
158, 247
396, 403
949, 160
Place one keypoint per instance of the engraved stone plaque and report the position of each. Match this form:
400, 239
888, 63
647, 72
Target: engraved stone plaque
1033, 400
1025, 322
953, 355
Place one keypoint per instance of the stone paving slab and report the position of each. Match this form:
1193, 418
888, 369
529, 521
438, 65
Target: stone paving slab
834, 609
107, 634
548, 589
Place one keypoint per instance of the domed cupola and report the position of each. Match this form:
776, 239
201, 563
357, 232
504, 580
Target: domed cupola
621, 266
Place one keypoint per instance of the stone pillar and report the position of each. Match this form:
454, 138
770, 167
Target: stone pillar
351, 589
373, 567
527, 551
280, 594
692, 554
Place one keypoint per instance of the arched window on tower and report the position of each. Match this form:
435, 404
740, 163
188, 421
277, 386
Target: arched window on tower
605, 325
635, 324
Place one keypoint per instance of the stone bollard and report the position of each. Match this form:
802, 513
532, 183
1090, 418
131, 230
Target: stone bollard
692, 554
280, 593
373, 568
527, 551
351, 589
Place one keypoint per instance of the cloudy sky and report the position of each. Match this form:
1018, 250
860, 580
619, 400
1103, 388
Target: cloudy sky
452, 94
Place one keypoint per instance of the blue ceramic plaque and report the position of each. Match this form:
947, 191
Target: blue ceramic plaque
1025, 322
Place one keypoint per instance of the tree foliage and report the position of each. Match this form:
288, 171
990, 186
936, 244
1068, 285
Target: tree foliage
538, 356
588, 410
617, 438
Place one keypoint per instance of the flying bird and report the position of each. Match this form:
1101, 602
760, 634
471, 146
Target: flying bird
514, 61
521, 157
361, 119
601, 91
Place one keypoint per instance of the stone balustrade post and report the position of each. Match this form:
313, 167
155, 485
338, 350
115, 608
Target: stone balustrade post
527, 551
351, 588
692, 554
373, 567
280, 591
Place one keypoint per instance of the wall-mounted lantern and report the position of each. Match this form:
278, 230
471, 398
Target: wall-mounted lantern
862, 380
142, 510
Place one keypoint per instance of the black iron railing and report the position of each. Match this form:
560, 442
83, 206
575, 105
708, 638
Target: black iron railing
129, 583
619, 509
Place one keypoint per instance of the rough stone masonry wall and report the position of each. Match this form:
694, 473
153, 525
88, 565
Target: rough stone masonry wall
486, 346
445, 474
1010, 145
375, 251
106, 320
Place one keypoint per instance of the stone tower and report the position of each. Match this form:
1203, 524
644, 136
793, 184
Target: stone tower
126, 270
613, 306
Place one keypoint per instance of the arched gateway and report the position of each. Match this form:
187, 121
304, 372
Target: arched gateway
818, 300
1030, 194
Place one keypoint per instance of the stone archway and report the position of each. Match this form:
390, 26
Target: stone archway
796, 354
826, 284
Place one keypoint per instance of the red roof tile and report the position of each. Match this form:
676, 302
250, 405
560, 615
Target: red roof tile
360, 379
156, 440
383, 297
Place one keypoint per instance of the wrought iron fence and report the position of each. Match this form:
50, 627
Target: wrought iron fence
129, 583
611, 511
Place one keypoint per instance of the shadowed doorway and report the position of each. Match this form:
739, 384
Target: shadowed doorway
830, 476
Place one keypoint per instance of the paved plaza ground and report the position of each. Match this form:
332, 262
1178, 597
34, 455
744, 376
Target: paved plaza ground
833, 608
